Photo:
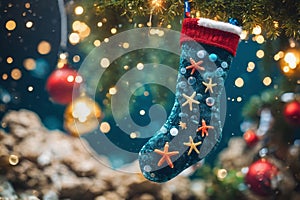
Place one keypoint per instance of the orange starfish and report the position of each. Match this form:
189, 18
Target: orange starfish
166, 155
192, 145
195, 66
204, 128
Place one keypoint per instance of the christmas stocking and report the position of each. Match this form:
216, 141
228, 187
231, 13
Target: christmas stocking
194, 126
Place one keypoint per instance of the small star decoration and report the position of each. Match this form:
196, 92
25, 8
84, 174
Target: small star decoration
190, 100
204, 128
195, 66
166, 155
192, 145
182, 125
209, 85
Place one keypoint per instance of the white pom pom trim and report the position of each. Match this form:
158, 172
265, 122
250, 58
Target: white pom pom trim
220, 26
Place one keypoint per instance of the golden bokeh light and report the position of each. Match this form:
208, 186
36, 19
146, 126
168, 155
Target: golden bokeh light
76, 25
97, 43
113, 31
9, 60
125, 45
29, 64
99, 24
74, 38
256, 30
133, 135
76, 58
244, 35
13, 160
82, 116
222, 173
79, 10
286, 69
267, 81
239, 82
44, 47
29, 24
104, 127
10, 25
16, 74
260, 53
239, 99
112, 91
4, 76
27, 5
260, 39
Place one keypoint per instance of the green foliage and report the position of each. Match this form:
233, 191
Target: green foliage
277, 17
229, 187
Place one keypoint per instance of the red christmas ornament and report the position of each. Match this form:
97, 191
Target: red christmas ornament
292, 112
261, 176
63, 84
250, 137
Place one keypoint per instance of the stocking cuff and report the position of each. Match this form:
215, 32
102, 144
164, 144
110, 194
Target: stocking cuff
211, 32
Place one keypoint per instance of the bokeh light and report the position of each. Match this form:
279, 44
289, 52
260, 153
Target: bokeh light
4, 76
244, 35
97, 43
76, 58
267, 81
239, 99
125, 45
16, 74
260, 39
44, 47
13, 160
10, 25
112, 91
140, 66
260, 53
30, 88
74, 38
79, 10
113, 31
256, 30
29, 24
9, 60
104, 62
29, 64
239, 82
104, 127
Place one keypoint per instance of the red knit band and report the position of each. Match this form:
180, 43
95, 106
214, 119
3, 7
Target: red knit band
215, 37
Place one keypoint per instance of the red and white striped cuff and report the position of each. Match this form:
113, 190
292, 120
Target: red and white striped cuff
211, 32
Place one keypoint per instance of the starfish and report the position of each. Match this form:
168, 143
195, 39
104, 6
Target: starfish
195, 66
192, 145
209, 85
182, 125
204, 128
166, 155
190, 100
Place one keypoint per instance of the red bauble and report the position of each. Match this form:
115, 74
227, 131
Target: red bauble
63, 84
260, 177
250, 137
292, 112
